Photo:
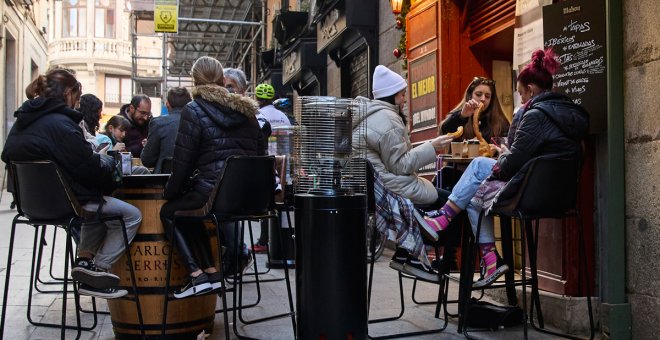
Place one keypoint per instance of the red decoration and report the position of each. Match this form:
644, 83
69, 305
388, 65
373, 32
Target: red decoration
399, 24
397, 53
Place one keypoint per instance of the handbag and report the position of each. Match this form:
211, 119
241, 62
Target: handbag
487, 315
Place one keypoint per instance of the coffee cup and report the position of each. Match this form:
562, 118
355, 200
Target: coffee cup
457, 149
473, 149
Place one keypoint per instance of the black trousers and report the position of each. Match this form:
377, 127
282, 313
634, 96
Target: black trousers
192, 237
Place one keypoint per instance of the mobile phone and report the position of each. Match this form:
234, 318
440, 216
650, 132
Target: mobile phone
101, 146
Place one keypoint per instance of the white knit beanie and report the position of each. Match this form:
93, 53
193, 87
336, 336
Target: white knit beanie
387, 82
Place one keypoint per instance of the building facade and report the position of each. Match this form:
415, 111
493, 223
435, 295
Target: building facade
23, 53
94, 38
476, 38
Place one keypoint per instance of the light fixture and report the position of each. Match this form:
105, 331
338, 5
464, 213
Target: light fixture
396, 6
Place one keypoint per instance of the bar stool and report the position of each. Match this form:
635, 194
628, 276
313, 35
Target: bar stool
243, 192
43, 198
442, 283
549, 190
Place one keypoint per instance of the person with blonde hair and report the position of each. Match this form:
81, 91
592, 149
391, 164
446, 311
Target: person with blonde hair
47, 128
492, 120
217, 124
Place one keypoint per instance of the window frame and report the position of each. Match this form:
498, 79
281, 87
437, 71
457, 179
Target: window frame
121, 93
81, 27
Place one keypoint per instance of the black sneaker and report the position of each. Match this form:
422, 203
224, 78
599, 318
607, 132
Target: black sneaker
415, 268
107, 293
487, 279
399, 259
84, 271
194, 286
214, 280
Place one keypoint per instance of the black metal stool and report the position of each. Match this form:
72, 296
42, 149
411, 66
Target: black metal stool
43, 198
549, 190
243, 192
442, 283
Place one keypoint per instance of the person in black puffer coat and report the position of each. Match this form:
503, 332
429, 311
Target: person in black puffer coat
214, 126
550, 125
47, 128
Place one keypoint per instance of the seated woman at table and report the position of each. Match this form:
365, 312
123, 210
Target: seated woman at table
550, 125
393, 157
492, 121
214, 126
91, 107
47, 128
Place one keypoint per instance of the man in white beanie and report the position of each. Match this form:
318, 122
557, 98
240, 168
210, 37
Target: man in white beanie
394, 159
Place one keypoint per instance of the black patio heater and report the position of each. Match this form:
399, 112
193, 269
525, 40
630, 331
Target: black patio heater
331, 215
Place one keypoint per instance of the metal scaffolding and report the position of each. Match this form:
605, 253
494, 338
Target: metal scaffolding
228, 30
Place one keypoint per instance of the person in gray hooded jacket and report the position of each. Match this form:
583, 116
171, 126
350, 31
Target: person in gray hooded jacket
395, 160
388, 141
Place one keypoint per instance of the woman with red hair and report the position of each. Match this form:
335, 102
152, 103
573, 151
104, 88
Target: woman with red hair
549, 124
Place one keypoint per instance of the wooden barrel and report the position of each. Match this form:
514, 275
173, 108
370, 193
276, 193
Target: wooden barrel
149, 251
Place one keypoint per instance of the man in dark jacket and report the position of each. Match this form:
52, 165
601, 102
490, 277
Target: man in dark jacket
47, 128
162, 131
138, 113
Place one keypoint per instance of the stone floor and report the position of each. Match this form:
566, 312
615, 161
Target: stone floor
47, 307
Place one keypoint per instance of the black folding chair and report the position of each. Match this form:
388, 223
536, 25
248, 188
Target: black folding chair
244, 192
549, 190
442, 281
43, 198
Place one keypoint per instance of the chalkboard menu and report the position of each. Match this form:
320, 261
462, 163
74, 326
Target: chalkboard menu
575, 30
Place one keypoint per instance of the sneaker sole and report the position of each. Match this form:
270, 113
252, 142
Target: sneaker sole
197, 290
215, 286
118, 294
424, 228
100, 280
487, 281
398, 266
410, 270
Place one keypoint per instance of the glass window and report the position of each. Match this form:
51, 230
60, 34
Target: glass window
117, 89
74, 18
104, 19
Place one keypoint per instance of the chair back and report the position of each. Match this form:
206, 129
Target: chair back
549, 188
246, 186
42, 193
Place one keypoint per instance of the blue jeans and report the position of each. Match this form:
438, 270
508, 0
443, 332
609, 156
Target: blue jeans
478, 170
106, 240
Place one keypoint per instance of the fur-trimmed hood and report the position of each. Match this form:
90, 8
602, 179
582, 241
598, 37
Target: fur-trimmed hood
219, 96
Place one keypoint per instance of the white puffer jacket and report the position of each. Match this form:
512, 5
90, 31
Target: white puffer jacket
391, 153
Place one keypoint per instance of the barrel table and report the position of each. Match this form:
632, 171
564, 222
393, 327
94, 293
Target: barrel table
149, 250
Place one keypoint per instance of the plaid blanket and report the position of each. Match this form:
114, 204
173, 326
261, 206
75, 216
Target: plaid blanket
394, 217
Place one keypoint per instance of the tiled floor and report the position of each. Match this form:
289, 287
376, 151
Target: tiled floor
47, 307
